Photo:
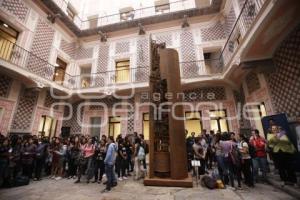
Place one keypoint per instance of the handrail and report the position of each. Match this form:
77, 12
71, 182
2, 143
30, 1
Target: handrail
134, 10
15, 54
232, 30
64, 4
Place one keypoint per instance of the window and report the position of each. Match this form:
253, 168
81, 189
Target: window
193, 122
85, 75
146, 126
114, 126
218, 121
93, 21
47, 126
71, 12
126, 13
95, 129
8, 36
162, 6
122, 71
59, 71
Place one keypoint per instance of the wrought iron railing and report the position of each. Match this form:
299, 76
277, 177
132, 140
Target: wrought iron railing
244, 21
12, 53
126, 15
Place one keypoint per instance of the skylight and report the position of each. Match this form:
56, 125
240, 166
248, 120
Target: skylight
94, 13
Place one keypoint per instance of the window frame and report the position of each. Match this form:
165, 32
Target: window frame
200, 118
112, 122
219, 118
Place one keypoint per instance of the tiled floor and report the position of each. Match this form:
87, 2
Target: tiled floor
65, 189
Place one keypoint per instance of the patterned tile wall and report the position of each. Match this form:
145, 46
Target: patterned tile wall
41, 46
25, 109
205, 94
73, 122
229, 21
215, 32
188, 53
83, 53
122, 47
16, 7
102, 64
164, 38
109, 102
130, 115
284, 82
240, 100
49, 100
250, 11
252, 82
68, 47
7, 115
76, 53
143, 59
5, 84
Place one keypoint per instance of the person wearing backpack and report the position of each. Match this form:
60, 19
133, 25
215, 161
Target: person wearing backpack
139, 157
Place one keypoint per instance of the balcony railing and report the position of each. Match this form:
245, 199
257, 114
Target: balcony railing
243, 23
25, 59
108, 78
126, 15
29, 61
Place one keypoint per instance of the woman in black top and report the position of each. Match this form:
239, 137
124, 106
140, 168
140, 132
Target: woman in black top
121, 160
74, 157
99, 156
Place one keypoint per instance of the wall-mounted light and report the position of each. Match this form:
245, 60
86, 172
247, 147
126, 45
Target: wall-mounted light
103, 36
185, 22
141, 29
5, 25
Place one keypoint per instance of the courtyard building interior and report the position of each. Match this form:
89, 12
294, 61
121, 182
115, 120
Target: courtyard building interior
84, 68
62, 59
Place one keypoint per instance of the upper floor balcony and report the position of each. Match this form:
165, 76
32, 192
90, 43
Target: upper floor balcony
212, 66
86, 18
95, 18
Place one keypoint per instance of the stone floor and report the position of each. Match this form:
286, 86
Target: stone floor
65, 189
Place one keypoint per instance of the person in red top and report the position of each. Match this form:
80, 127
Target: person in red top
259, 155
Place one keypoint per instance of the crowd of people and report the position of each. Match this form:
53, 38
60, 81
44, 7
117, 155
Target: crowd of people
235, 158
72, 157
230, 157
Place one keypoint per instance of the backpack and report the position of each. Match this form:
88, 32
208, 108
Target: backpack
209, 182
141, 153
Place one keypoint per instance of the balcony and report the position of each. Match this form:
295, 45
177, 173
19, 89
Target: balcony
29, 64
161, 11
